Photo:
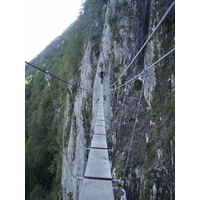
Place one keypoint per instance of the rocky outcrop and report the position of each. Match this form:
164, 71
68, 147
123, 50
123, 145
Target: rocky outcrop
127, 26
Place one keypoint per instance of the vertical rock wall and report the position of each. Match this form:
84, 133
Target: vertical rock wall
134, 20
76, 145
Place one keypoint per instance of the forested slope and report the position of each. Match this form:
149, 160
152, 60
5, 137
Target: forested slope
62, 57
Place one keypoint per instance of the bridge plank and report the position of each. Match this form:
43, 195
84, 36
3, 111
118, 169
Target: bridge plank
99, 141
100, 123
97, 184
96, 190
99, 130
98, 165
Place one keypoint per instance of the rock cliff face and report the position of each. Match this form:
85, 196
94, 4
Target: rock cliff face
150, 170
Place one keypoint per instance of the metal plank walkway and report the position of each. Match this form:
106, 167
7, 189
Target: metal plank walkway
97, 183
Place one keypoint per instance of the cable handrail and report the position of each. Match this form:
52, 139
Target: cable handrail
143, 70
117, 133
131, 142
146, 41
55, 76
63, 146
144, 77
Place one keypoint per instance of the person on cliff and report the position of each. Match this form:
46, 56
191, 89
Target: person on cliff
101, 65
101, 74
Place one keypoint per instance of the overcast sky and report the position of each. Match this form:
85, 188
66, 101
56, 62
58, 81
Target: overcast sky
28, 26
45, 20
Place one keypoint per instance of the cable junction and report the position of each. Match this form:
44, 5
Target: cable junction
145, 69
55, 76
136, 120
145, 74
146, 41
47, 77
117, 133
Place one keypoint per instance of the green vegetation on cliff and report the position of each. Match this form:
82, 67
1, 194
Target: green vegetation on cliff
153, 149
62, 58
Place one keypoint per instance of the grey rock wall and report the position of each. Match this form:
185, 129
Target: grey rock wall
132, 32
76, 146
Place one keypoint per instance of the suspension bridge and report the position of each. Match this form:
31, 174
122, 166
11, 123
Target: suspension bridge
97, 179
97, 183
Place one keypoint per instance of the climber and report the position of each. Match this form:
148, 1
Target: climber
101, 65
101, 74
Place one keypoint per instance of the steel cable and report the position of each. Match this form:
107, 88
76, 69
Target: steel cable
143, 70
119, 123
56, 77
146, 41
127, 160
63, 146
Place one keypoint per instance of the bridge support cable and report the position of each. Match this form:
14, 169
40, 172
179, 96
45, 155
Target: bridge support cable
56, 77
114, 115
146, 42
153, 65
160, 59
131, 142
47, 77
119, 123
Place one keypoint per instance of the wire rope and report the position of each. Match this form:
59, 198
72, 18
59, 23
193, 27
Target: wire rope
55, 76
146, 41
117, 134
61, 133
146, 69
127, 160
